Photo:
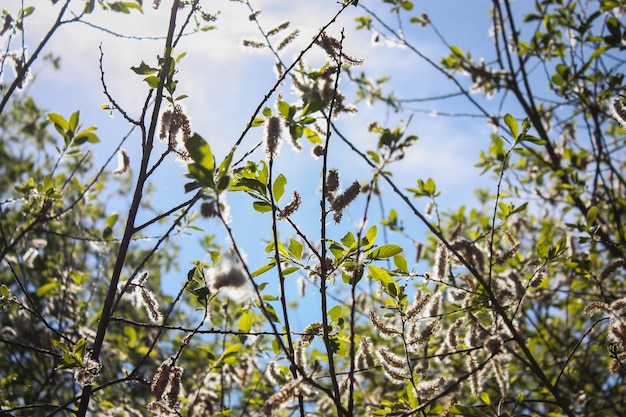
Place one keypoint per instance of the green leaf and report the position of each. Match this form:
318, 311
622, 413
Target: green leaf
262, 206
370, 237
258, 121
200, 152
381, 275
4, 291
599, 52
153, 81
74, 153
46, 288
401, 263
278, 189
48, 182
7, 380
512, 125
111, 220
73, 123
271, 311
59, 121
410, 392
424, 188
143, 69
224, 413
295, 249
519, 209
456, 51
85, 136
374, 156
460, 410
201, 174
290, 270
591, 216
79, 348
130, 334
307, 120
312, 107
430, 187
312, 136
485, 398
613, 25
223, 171
385, 251
89, 5
348, 239
223, 183
542, 251
245, 321
190, 186
560, 247
125, 6
263, 269
535, 140
231, 353
251, 185
335, 314
284, 109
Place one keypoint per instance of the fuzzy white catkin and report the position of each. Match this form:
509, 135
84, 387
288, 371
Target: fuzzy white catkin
273, 132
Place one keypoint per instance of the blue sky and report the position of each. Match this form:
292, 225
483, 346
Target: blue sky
225, 83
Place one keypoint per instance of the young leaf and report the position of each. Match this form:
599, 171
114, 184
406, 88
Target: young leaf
410, 391
278, 189
284, 108
46, 288
335, 314
370, 237
152, 81
245, 321
263, 269
456, 51
85, 136
512, 125
73, 123
262, 206
58, 120
290, 270
381, 275
144, 69
542, 251
295, 249
401, 263
201, 174
592, 213
258, 121
312, 136
200, 152
385, 251
348, 239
